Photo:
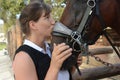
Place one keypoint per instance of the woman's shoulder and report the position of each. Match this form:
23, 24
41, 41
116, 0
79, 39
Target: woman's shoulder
22, 48
23, 65
22, 57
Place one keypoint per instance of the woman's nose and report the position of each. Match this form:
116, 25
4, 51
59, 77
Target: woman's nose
52, 21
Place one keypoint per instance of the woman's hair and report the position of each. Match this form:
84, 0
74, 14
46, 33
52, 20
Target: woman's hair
32, 11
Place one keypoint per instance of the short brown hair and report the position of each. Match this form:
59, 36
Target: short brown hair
32, 11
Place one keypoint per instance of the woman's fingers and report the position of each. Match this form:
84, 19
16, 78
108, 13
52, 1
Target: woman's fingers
65, 57
59, 45
60, 53
65, 53
60, 48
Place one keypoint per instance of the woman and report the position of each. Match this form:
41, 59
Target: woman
33, 60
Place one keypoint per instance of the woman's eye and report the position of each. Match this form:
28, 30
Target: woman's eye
48, 17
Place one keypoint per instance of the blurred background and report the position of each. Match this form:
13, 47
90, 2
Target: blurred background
11, 37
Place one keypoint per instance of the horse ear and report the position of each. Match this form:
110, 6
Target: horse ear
36, 0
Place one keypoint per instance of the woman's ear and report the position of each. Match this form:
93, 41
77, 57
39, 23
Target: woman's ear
32, 25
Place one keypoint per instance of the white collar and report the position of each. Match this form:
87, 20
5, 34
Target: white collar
33, 45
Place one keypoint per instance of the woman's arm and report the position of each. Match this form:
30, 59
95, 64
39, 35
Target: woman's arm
23, 67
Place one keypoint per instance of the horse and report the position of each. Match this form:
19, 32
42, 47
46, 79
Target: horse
103, 14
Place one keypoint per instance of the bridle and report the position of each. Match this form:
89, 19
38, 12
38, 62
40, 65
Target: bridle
76, 36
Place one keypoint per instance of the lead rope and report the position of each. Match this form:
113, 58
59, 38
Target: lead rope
77, 67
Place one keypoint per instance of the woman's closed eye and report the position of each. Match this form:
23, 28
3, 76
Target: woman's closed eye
47, 17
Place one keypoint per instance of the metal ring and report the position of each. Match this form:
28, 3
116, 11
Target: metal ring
91, 3
74, 48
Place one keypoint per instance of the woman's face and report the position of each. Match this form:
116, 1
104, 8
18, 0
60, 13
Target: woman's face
45, 25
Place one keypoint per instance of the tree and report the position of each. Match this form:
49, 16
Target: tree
8, 11
57, 8
10, 8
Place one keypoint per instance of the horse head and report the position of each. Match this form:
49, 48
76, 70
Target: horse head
66, 29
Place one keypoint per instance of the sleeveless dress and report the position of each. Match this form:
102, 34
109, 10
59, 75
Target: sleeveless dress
41, 61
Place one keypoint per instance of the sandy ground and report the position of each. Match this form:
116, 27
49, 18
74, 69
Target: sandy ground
5, 67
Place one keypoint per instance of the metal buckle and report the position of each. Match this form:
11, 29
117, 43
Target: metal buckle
76, 36
91, 3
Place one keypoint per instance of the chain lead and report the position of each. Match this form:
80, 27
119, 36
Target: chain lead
88, 60
100, 60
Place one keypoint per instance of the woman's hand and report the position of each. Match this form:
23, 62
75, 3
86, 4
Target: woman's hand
60, 53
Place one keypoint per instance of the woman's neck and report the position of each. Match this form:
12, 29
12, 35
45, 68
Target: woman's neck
38, 41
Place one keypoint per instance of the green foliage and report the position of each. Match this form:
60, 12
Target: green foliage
2, 46
57, 12
8, 11
57, 8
